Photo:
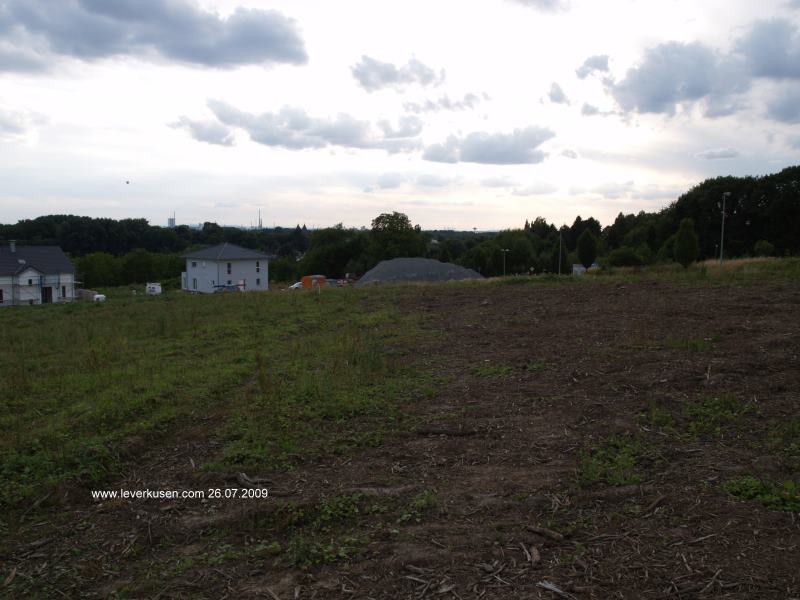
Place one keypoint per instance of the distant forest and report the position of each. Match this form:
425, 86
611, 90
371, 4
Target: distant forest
762, 217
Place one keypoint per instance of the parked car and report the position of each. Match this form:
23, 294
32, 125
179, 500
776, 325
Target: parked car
296, 286
99, 298
218, 289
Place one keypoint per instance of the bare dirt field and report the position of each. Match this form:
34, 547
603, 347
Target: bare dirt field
593, 440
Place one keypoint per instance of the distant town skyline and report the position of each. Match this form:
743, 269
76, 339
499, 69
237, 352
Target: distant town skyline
460, 115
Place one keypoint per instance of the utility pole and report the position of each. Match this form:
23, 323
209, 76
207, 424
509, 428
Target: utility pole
722, 233
559, 252
504, 250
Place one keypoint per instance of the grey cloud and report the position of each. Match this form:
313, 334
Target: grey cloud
432, 181
391, 180
544, 5
18, 58
373, 74
569, 153
408, 126
294, 129
589, 110
173, 29
395, 180
211, 132
469, 101
557, 94
772, 49
519, 147
498, 182
675, 73
614, 190
537, 189
598, 62
718, 153
785, 105
794, 142
14, 123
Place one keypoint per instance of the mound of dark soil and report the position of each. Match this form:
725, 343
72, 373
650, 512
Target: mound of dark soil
401, 270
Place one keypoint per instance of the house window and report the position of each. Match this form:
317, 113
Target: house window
258, 282
194, 283
63, 291
229, 268
1, 296
258, 267
203, 264
30, 281
229, 281
194, 264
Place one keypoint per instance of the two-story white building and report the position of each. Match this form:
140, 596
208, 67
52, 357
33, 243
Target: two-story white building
35, 275
225, 265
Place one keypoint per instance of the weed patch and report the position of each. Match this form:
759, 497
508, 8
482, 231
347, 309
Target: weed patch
488, 370
709, 414
616, 461
775, 496
656, 416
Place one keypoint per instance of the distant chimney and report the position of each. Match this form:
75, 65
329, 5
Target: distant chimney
12, 245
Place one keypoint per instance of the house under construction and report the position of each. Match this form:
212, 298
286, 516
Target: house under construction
35, 275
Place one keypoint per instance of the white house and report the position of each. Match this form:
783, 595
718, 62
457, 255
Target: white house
211, 269
35, 275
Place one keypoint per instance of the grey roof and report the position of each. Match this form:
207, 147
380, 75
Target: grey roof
225, 251
45, 259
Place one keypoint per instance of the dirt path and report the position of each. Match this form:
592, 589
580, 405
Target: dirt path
582, 447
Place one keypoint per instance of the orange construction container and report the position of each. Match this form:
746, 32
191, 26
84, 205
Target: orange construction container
310, 281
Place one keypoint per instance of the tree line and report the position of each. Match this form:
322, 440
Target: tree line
761, 213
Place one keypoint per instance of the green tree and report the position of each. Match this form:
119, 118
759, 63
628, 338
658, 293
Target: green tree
393, 236
763, 248
587, 248
687, 246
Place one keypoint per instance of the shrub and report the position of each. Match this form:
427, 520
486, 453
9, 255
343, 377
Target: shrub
625, 256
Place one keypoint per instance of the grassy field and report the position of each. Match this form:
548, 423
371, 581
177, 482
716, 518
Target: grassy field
472, 438
86, 385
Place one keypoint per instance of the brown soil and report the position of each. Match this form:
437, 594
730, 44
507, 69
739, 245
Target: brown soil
537, 378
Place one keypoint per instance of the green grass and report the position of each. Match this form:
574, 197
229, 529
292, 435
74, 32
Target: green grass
708, 415
657, 416
488, 370
784, 440
748, 271
281, 375
615, 461
775, 496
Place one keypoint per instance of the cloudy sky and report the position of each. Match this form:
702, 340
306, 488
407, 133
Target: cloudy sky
463, 115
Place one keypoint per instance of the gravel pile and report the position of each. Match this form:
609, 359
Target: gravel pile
399, 270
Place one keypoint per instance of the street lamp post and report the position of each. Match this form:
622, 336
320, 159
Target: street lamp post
504, 250
722, 233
